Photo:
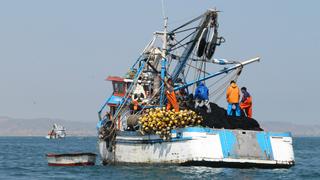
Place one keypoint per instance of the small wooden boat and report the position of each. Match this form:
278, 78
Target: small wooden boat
71, 159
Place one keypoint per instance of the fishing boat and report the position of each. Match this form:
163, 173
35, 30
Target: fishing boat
57, 132
71, 159
183, 55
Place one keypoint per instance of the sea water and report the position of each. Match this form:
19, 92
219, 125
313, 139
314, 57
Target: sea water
24, 158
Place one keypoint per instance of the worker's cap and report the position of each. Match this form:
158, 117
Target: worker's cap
200, 83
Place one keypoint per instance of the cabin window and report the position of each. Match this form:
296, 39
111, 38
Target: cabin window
118, 87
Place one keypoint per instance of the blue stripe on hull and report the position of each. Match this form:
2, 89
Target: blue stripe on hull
282, 134
227, 139
263, 139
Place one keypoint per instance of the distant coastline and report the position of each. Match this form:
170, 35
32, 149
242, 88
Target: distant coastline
39, 127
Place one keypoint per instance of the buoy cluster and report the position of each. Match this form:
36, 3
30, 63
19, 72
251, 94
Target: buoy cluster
161, 122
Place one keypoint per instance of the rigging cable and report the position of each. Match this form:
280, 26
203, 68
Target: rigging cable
222, 87
112, 134
189, 22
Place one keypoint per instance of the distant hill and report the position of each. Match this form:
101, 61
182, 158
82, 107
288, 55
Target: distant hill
296, 129
41, 126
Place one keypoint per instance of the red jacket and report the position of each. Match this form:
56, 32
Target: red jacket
246, 105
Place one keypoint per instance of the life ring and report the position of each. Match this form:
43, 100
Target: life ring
202, 42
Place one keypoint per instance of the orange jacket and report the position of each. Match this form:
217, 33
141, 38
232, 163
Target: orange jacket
233, 93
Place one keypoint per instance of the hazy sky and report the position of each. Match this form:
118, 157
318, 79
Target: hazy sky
55, 55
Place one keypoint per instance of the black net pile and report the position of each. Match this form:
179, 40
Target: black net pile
218, 118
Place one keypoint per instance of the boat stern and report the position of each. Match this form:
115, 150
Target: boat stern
282, 148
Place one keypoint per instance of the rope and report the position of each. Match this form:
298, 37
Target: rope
186, 30
204, 72
191, 21
195, 75
200, 70
188, 70
222, 88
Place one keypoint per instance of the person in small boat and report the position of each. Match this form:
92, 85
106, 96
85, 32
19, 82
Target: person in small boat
246, 102
202, 97
233, 96
171, 96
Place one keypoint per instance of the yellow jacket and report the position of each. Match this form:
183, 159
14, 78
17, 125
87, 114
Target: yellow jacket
233, 93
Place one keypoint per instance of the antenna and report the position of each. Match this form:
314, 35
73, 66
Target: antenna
163, 11
164, 47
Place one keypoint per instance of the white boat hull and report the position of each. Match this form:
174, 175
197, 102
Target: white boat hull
54, 137
202, 146
71, 159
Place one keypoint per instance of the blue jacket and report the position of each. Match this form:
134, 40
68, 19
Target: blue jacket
202, 92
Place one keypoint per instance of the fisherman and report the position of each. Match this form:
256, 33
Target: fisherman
202, 97
181, 94
101, 122
138, 96
246, 102
139, 93
233, 96
171, 96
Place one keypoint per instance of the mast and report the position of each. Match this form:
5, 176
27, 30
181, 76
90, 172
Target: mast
164, 59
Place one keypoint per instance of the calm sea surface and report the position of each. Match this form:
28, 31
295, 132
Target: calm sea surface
24, 158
